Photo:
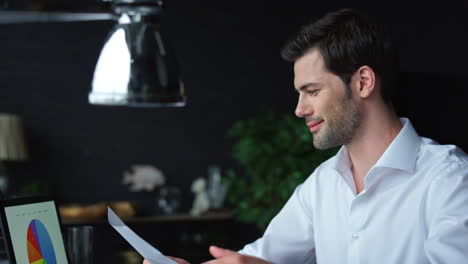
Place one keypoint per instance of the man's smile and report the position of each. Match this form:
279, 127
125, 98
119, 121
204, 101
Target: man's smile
314, 125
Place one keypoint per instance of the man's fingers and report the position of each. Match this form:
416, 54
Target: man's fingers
178, 260
218, 252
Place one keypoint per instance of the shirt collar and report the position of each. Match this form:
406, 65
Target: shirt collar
342, 162
400, 154
403, 151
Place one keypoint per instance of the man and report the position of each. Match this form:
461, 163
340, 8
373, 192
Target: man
389, 195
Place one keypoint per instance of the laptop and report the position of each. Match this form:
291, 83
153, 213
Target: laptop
32, 231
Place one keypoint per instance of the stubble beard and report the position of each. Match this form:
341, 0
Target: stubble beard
341, 125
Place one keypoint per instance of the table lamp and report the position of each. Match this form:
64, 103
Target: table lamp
12, 146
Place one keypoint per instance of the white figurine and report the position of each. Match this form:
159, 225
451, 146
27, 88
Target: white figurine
144, 177
201, 203
216, 189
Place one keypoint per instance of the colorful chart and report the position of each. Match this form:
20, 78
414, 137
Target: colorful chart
40, 248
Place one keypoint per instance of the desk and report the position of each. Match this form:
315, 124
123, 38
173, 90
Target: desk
180, 235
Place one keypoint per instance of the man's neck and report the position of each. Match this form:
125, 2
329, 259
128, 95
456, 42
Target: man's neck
373, 137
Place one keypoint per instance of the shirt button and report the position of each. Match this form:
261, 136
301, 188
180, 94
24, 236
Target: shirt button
355, 236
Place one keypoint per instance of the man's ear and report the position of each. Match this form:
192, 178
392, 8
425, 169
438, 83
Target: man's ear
365, 79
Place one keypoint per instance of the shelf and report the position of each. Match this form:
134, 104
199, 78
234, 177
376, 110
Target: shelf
225, 215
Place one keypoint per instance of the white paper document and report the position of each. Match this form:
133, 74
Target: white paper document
139, 244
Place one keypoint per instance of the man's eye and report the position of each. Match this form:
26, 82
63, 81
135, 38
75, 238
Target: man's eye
312, 92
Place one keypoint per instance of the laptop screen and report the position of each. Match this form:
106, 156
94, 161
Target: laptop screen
35, 233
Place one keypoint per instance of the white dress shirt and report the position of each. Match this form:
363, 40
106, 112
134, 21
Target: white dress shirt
413, 209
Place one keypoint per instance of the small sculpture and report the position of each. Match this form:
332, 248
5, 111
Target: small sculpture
201, 203
216, 189
143, 177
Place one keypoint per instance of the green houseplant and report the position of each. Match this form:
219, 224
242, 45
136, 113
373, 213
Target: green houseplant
276, 154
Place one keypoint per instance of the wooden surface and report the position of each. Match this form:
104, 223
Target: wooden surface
224, 215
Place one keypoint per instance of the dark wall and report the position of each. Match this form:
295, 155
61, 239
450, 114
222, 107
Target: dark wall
229, 57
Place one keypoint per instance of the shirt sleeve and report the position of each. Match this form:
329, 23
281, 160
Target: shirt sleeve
289, 238
447, 240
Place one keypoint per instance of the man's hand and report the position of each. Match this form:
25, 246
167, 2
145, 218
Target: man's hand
226, 256
178, 260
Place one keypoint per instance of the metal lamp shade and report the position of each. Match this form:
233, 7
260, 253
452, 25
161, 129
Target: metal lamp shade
136, 68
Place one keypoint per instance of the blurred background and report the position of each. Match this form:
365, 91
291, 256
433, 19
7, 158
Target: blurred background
228, 54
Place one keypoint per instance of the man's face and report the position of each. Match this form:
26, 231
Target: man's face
325, 102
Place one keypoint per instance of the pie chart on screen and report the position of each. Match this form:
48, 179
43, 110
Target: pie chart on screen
40, 248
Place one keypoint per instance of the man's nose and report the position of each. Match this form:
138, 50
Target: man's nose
303, 109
